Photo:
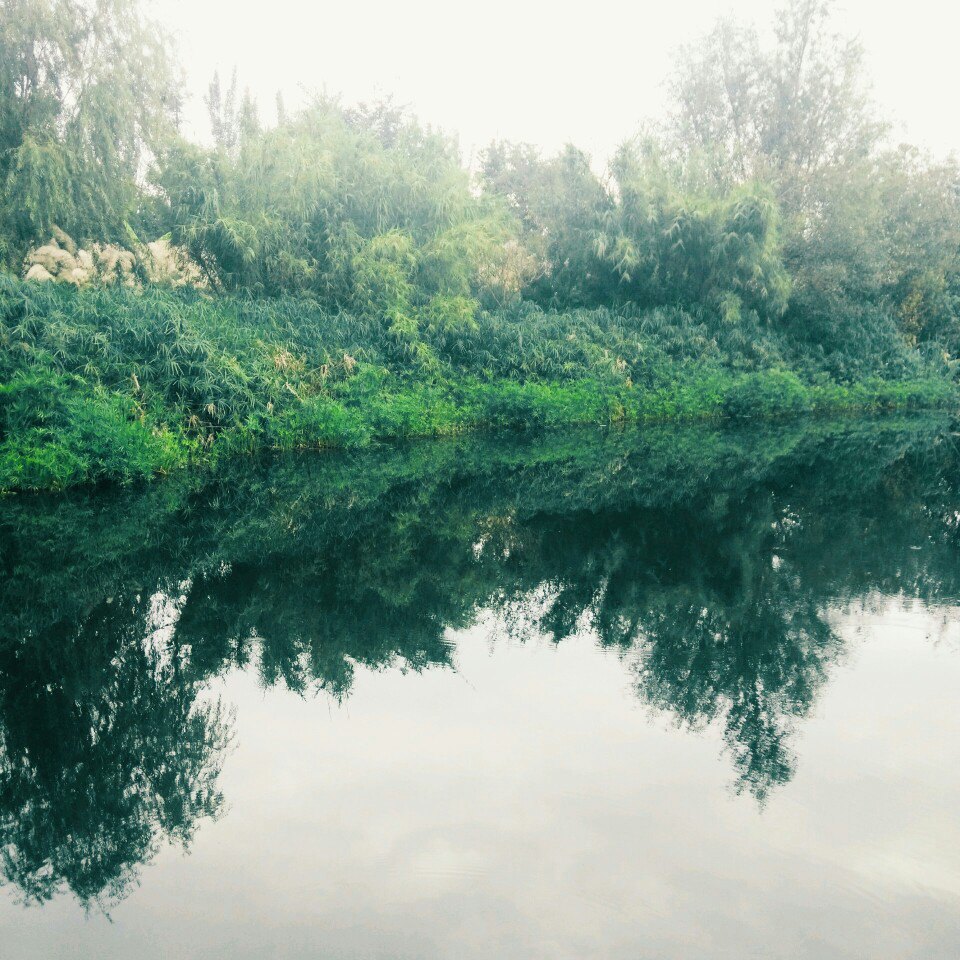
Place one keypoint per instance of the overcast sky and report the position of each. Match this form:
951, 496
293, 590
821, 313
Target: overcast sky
546, 73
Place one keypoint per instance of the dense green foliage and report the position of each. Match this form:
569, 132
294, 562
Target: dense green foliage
362, 210
867, 226
765, 251
109, 382
712, 561
88, 90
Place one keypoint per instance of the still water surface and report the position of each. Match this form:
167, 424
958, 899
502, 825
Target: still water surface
670, 693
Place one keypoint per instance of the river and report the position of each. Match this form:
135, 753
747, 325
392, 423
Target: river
662, 692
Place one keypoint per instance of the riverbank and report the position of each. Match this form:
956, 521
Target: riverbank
121, 385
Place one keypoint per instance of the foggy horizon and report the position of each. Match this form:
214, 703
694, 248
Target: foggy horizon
521, 88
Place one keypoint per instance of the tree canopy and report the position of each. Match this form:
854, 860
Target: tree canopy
89, 92
767, 223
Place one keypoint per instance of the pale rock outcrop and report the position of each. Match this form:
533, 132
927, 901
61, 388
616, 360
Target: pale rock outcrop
52, 258
106, 263
106, 258
39, 273
168, 264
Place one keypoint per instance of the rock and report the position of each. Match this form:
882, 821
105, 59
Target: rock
170, 265
51, 257
160, 250
106, 263
39, 273
67, 264
106, 260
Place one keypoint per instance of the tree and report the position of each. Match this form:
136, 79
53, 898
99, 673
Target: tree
870, 236
783, 115
673, 240
363, 209
88, 93
231, 123
560, 203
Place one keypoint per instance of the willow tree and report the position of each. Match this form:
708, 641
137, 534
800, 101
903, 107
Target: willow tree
88, 93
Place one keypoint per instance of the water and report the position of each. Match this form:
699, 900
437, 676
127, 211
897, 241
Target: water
667, 693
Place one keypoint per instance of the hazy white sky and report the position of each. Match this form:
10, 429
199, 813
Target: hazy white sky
542, 72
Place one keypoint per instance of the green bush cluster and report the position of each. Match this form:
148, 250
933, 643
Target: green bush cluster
750, 257
57, 431
116, 384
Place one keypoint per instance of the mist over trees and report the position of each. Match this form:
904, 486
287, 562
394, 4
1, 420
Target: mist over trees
866, 223
771, 187
340, 275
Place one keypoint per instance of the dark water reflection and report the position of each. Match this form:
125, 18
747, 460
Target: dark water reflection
712, 566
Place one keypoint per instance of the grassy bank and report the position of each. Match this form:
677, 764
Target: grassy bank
115, 384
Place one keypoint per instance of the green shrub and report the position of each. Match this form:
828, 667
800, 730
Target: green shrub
770, 393
115, 384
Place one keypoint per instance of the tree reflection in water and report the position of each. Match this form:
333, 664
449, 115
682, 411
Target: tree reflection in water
711, 560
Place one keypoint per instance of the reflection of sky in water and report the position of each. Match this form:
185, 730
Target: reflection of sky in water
675, 693
527, 805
